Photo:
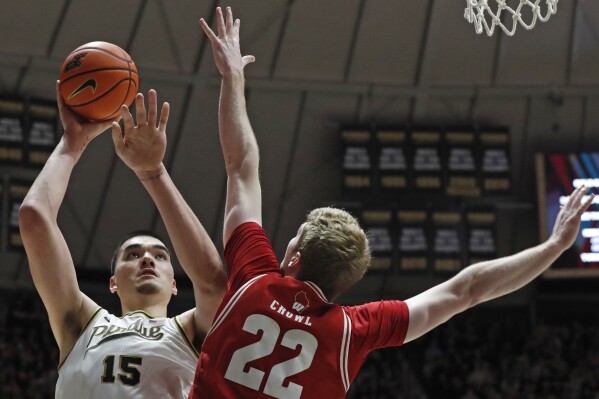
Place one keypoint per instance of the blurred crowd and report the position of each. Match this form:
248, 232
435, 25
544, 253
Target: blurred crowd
508, 358
28, 352
499, 355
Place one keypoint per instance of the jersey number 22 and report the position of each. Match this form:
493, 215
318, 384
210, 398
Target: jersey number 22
270, 333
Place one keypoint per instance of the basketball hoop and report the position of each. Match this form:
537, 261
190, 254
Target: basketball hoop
479, 13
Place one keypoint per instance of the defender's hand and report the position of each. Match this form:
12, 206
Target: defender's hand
567, 223
225, 46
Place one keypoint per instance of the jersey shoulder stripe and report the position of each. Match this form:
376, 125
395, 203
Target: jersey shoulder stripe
344, 352
317, 290
234, 299
185, 337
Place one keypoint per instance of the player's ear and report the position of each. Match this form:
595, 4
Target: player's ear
295, 261
174, 288
112, 285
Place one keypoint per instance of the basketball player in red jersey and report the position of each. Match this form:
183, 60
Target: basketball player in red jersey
277, 333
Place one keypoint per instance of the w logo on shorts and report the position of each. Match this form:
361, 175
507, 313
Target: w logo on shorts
301, 302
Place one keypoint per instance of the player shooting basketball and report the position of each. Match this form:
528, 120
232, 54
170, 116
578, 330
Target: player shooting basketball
277, 333
141, 354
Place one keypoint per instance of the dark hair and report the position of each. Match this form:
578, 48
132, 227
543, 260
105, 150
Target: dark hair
136, 233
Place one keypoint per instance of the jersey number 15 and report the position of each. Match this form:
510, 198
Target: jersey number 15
130, 374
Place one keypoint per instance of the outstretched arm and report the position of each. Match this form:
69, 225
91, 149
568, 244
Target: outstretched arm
142, 148
492, 279
240, 149
49, 258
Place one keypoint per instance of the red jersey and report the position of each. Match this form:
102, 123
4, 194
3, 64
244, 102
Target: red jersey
279, 337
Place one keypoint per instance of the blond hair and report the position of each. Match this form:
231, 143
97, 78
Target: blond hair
334, 250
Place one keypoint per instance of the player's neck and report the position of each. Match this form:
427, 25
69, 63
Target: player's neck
152, 308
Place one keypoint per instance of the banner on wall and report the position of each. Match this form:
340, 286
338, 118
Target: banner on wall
481, 235
12, 122
357, 160
427, 160
461, 165
377, 224
412, 240
496, 167
392, 160
447, 241
42, 132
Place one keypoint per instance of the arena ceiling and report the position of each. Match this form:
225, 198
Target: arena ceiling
320, 64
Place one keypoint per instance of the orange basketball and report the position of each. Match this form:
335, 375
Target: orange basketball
97, 79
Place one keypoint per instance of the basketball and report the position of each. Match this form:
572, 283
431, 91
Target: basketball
97, 79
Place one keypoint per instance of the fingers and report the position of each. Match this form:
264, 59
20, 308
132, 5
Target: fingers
140, 110
220, 22
230, 24
575, 197
127, 118
207, 30
59, 98
63, 111
247, 59
164, 116
584, 206
152, 101
576, 203
223, 28
144, 117
117, 137
579, 200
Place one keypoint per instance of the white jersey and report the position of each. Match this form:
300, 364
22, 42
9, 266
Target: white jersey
135, 356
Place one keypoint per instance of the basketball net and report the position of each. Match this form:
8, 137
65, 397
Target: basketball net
479, 13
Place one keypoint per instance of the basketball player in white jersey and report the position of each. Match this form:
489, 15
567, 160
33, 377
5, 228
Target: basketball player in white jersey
142, 354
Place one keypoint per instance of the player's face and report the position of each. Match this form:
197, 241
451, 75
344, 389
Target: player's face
144, 267
291, 251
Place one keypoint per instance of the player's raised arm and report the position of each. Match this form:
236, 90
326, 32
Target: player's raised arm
142, 148
240, 149
49, 258
492, 279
